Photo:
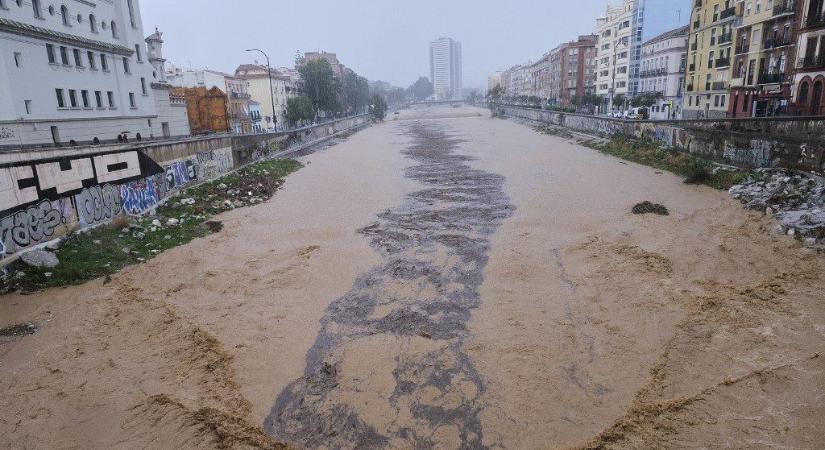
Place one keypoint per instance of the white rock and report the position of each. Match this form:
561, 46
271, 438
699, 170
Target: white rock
172, 222
156, 223
810, 242
791, 232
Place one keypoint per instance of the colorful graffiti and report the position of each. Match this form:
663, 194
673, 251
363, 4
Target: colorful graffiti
140, 196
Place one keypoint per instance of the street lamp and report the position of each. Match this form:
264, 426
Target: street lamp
271, 92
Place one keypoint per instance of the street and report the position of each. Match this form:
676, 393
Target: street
440, 280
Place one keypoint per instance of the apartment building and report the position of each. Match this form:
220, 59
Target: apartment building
236, 90
446, 70
493, 81
709, 59
284, 87
663, 72
809, 76
573, 68
764, 56
619, 34
76, 73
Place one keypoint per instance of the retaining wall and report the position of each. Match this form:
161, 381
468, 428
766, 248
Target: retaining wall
47, 193
794, 143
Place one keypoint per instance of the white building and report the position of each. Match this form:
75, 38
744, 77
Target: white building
284, 87
445, 68
619, 49
77, 72
236, 90
494, 80
663, 72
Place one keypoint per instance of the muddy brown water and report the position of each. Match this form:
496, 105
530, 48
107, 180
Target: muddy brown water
442, 280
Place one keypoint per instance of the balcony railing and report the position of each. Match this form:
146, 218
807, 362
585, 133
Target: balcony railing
653, 72
730, 12
816, 20
743, 48
725, 38
722, 62
812, 62
719, 85
783, 8
771, 78
774, 43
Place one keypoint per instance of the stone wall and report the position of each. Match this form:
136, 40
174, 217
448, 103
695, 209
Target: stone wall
793, 143
47, 193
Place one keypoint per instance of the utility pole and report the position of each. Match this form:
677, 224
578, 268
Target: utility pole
271, 91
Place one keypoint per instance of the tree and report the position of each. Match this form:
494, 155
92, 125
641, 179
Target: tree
379, 107
421, 89
355, 91
299, 109
473, 97
396, 96
320, 85
647, 99
618, 100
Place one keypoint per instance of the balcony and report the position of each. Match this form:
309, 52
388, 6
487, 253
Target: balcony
774, 43
814, 21
771, 78
722, 62
737, 82
738, 22
730, 12
653, 72
239, 96
725, 38
742, 48
812, 62
785, 7
719, 85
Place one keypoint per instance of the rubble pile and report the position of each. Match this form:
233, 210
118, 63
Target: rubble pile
797, 201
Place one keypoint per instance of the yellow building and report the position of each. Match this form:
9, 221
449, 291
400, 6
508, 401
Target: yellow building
764, 57
709, 59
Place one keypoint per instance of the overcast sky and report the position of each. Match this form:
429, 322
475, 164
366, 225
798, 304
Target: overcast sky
380, 39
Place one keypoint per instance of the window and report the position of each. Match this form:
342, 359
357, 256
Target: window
91, 57
92, 23
73, 98
132, 103
38, 13
803, 92
18, 59
50, 52
99, 99
114, 30
143, 85
64, 14
77, 60
103, 64
64, 56
126, 65
137, 53
131, 13
28, 104
84, 96
61, 102
111, 96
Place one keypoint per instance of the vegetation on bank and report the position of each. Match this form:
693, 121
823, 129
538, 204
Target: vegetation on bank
695, 170
105, 250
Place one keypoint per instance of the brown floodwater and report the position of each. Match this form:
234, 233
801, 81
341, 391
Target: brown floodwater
441, 280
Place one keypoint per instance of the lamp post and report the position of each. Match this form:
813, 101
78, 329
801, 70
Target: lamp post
271, 92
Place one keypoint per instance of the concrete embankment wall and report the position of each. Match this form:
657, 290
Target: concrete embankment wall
794, 143
47, 193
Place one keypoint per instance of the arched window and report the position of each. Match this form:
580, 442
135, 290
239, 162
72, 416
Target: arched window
36, 7
114, 30
64, 12
803, 92
131, 13
92, 23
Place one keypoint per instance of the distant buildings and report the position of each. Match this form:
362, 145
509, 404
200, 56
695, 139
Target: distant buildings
207, 107
662, 72
446, 68
236, 89
573, 71
284, 86
81, 73
809, 78
619, 50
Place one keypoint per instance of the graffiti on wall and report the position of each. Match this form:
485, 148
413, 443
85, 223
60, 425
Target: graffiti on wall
140, 196
22, 184
97, 204
213, 163
758, 154
30, 226
6, 133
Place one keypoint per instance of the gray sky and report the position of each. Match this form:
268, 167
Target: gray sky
380, 39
